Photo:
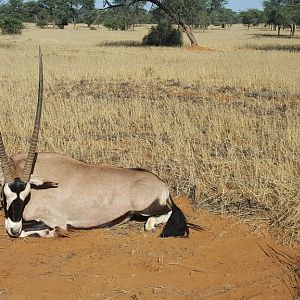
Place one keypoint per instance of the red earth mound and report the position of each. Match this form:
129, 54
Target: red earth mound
224, 261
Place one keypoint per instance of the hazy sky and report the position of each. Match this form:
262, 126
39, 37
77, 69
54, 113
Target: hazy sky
237, 5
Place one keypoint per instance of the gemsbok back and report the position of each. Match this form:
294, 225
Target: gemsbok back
43, 194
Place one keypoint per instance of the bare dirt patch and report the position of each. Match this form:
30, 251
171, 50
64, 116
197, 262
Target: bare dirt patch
224, 261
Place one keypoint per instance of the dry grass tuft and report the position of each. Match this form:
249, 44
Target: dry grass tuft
221, 126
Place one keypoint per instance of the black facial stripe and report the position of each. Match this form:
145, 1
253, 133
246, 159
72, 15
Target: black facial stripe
15, 210
3, 203
16, 207
17, 186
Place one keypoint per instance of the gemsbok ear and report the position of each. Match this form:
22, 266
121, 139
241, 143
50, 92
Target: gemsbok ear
38, 183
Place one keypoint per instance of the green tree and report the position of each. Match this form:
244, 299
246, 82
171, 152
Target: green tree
252, 17
292, 14
10, 25
225, 17
87, 13
13, 9
282, 13
128, 12
82, 8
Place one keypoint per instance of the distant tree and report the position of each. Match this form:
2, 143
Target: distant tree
252, 17
87, 13
10, 25
30, 11
292, 14
12, 8
282, 13
15, 9
83, 8
127, 13
111, 21
225, 17
215, 5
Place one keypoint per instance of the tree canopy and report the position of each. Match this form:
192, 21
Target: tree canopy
125, 14
282, 13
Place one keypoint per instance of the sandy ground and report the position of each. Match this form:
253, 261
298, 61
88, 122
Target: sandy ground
224, 261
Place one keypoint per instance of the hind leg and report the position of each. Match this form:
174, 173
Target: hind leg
154, 221
158, 212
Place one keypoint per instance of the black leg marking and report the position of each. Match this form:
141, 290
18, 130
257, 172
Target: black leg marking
33, 225
155, 209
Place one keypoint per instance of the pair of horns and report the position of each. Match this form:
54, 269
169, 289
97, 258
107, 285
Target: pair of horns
7, 168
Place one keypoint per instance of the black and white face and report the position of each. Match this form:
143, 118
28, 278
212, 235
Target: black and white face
13, 198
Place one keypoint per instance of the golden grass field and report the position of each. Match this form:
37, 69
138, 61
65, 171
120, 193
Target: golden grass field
220, 125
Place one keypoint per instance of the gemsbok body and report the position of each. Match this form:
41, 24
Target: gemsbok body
44, 194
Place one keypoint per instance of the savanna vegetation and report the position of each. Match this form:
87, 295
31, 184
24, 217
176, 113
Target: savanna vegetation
219, 123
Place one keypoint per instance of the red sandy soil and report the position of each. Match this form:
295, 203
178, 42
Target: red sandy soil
224, 261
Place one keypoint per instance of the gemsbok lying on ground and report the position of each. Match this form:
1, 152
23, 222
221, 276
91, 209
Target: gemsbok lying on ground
46, 193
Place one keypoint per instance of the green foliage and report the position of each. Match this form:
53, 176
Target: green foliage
282, 13
252, 17
10, 25
163, 35
42, 23
197, 13
113, 24
129, 15
61, 20
88, 16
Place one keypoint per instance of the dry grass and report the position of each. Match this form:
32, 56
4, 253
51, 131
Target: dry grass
220, 125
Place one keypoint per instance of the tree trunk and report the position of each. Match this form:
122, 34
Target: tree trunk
278, 30
293, 29
73, 18
189, 34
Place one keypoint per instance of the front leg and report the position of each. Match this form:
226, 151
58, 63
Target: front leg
40, 229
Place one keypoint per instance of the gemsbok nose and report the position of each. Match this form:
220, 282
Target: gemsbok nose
15, 230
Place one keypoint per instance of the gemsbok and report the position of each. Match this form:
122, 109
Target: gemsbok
43, 194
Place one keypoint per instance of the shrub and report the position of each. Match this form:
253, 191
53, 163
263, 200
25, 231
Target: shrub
163, 35
42, 23
113, 24
11, 25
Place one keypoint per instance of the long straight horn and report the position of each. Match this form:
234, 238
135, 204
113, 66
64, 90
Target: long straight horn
5, 163
35, 135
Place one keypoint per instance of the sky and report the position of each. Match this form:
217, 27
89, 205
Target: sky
238, 5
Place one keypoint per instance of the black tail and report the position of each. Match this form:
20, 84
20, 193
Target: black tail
177, 224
